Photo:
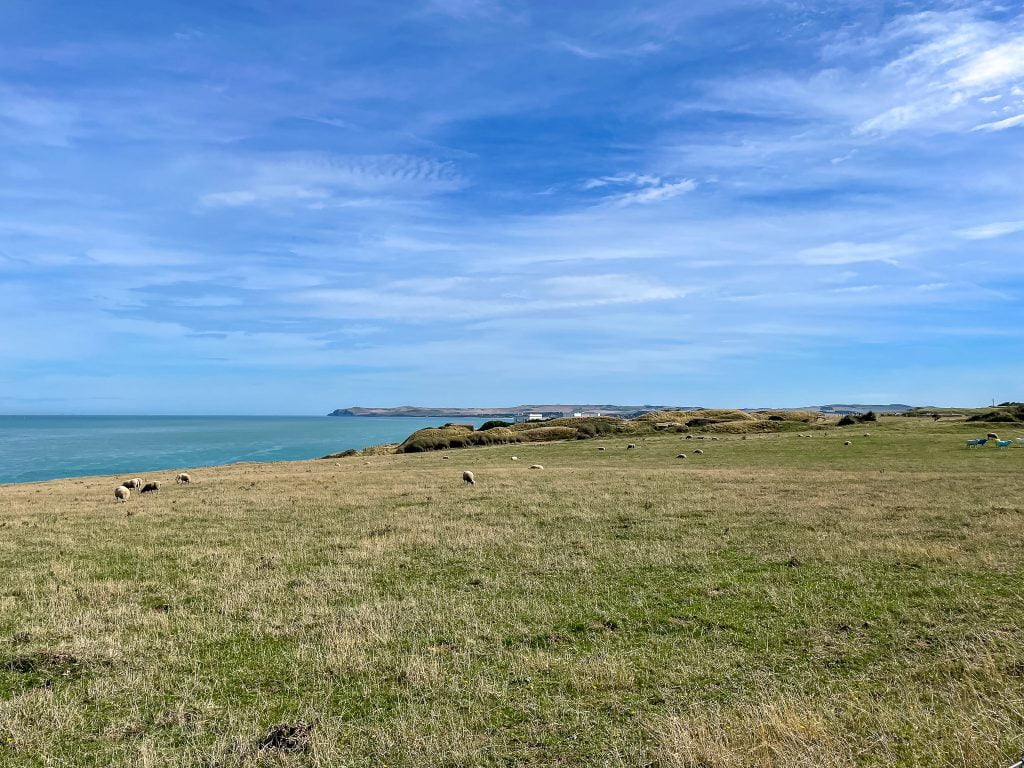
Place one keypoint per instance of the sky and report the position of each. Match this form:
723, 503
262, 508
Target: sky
244, 206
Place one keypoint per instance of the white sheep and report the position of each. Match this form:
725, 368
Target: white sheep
602, 448
867, 434
121, 493
631, 445
151, 487
183, 478
467, 477
134, 484
847, 443
680, 455
515, 458
536, 466
699, 452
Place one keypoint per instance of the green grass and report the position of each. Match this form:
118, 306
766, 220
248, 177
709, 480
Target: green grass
777, 601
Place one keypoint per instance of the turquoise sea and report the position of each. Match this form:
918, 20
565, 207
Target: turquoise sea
36, 448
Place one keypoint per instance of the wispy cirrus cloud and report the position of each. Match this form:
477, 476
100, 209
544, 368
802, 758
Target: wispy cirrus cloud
1001, 125
839, 253
989, 231
313, 178
639, 188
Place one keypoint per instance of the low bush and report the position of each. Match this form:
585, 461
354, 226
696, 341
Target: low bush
545, 434
494, 424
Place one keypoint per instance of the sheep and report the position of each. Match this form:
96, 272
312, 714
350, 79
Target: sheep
602, 448
134, 484
867, 434
443, 457
151, 487
121, 493
992, 436
680, 455
515, 458
536, 466
631, 445
183, 478
467, 477
699, 452
847, 443
689, 437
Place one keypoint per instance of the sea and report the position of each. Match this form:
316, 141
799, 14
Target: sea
35, 448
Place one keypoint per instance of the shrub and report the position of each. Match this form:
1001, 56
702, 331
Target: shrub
494, 424
869, 416
543, 434
847, 421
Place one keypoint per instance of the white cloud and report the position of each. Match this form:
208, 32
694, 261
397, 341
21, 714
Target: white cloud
30, 118
852, 253
929, 72
594, 52
989, 231
1001, 125
316, 178
657, 193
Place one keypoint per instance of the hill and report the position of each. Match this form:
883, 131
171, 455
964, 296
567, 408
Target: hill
699, 422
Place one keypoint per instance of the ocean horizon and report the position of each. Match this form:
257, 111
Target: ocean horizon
40, 448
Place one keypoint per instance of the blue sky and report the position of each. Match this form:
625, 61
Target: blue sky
259, 207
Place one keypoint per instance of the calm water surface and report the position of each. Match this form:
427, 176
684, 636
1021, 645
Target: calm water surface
46, 447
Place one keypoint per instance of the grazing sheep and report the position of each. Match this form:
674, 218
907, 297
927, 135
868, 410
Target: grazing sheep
134, 484
867, 434
699, 452
631, 445
151, 487
443, 457
515, 458
602, 448
121, 493
992, 436
689, 437
680, 455
467, 478
183, 478
536, 466
715, 438
847, 443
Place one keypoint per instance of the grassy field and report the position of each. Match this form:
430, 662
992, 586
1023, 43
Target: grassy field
776, 601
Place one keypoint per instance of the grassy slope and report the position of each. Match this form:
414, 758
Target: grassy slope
779, 601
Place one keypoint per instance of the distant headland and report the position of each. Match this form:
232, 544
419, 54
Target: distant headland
554, 410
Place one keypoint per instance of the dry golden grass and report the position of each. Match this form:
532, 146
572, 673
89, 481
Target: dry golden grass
778, 601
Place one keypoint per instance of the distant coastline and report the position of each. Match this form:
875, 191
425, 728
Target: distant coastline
561, 410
